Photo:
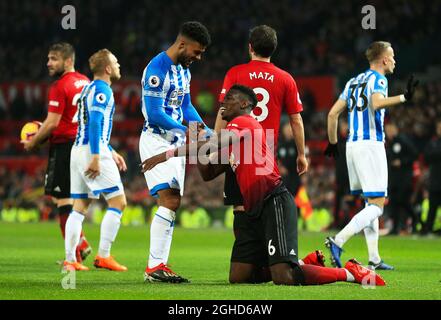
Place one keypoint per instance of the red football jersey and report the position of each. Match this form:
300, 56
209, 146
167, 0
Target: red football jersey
276, 90
252, 161
63, 96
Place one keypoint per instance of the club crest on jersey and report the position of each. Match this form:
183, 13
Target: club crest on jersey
101, 97
154, 81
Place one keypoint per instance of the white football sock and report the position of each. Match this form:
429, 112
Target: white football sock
372, 234
169, 236
109, 230
161, 232
360, 221
73, 231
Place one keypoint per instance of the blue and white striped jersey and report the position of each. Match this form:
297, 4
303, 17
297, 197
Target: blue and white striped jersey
363, 121
96, 107
165, 86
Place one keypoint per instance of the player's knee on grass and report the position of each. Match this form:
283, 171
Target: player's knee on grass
285, 274
241, 272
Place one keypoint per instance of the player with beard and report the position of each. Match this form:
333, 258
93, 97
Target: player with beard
60, 127
166, 103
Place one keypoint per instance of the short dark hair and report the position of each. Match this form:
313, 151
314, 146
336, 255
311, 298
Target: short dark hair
66, 50
196, 31
263, 40
247, 92
376, 49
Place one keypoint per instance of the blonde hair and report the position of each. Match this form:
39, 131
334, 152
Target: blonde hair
376, 49
99, 60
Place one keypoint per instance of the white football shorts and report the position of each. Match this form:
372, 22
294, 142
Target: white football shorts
167, 175
108, 182
367, 168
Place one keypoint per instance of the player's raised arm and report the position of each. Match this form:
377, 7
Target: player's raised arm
380, 101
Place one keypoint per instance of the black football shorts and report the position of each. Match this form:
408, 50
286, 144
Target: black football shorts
57, 181
269, 237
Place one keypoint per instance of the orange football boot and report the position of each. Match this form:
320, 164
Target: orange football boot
74, 266
108, 263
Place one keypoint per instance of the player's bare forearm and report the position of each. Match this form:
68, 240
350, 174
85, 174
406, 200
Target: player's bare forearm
298, 131
47, 127
332, 128
333, 115
49, 124
214, 144
220, 123
379, 101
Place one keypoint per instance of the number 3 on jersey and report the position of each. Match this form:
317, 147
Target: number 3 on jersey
262, 104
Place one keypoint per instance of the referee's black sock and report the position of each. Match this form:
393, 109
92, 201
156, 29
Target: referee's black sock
63, 213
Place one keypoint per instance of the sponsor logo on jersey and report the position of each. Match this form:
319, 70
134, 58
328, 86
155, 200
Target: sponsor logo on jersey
101, 98
54, 103
154, 81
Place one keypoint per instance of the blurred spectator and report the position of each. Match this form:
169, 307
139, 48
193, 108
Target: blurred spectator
345, 205
433, 158
401, 153
194, 216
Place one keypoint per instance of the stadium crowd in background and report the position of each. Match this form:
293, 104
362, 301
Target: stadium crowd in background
322, 46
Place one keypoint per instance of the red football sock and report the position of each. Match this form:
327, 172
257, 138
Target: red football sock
315, 275
63, 213
63, 219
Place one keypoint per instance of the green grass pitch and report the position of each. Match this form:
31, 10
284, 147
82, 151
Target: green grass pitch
28, 269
